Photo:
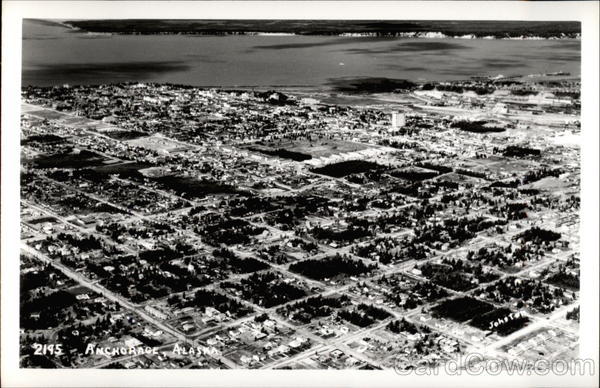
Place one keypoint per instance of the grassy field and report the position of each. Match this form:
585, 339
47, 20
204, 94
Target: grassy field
46, 114
156, 143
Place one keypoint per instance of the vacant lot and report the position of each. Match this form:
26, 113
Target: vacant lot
157, 143
46, 114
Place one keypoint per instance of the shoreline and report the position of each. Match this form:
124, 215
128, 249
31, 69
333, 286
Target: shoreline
333, 28
523, 78
398, 35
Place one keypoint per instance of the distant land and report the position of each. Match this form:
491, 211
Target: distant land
436, 29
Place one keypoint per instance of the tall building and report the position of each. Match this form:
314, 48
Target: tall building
398, 120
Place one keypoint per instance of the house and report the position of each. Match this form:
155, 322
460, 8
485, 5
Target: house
187, 327
156, 313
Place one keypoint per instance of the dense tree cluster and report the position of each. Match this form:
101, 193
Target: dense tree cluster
228, 231
331, 266
564, 278
540, 296
283, 153
403, 326
409, 294
414, 175
511, 211
476, 126
189, 187
536, 175
520, 151
84, 243
118, 231
297, 208
471, 173
457, 274
506, 257
244, 206
387, 250
341, 169
573, 314
349, 234
364, 315
314, 307
209, 298
237, 264
436, 167
266, 289
52, 310
462, 308
538, 235
453, 231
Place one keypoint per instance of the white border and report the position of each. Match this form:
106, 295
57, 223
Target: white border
14, 11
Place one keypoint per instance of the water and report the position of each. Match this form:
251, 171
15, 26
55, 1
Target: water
54, 55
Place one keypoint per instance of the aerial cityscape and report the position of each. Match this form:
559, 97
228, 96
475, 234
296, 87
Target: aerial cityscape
364, 221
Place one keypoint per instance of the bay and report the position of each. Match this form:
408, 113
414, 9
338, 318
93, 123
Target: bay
54, 55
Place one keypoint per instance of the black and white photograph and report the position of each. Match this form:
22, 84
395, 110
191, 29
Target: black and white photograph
374, 194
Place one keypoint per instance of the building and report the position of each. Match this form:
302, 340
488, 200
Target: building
500, 108
398, 120
155, 313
